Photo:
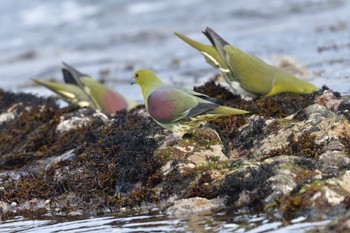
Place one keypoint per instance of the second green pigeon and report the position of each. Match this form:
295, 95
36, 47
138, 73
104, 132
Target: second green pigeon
178, 109
80, 89
246, 74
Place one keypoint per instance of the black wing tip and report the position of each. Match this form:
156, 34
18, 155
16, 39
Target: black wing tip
208, 35
201, 108
69, 67
208, 30
73, 71
214, 37
68, 76
214, 100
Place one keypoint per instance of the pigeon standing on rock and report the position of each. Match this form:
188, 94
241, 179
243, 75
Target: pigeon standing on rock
177, 109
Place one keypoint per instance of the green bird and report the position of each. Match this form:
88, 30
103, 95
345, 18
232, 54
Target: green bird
80, 89
246, 74
177, 109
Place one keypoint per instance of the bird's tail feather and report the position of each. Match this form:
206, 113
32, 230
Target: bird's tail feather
55, 87
69, 92
193, 43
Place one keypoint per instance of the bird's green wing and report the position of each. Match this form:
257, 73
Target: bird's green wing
254, 74
286, 82
202, 96
170, 104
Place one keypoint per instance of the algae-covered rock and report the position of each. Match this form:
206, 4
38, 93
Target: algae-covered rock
290, 156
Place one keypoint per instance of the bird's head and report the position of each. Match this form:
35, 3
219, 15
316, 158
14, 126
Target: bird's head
145, 78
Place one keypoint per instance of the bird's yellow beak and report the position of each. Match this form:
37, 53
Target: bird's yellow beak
132, 82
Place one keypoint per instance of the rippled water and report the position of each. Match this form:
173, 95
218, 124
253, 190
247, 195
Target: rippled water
160, 223
121, 36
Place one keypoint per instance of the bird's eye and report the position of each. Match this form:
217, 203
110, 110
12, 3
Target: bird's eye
137, 75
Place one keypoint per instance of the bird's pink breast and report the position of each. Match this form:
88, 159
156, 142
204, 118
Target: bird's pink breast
113, 102
161, 106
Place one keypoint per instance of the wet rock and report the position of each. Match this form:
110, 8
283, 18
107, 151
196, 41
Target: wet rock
193, 164
193, 206
288, 173
290, 157
333, 161
320, 130
320, 198
341, 225
202, 148
35, 204
250, 134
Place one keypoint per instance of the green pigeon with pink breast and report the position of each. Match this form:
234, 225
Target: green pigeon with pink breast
246, 74
177, 109
80, 89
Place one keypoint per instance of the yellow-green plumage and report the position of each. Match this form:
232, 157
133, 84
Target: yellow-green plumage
80, 89
177, 109
245, 73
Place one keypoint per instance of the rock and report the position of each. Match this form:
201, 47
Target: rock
321, 127
6, 117
341, 225
343, 182
250, 134
81, 118
333, 160
282, 182
193, 206
266, 181
329, 100
69, 155
321, 198
290, 158
4, 207
194, 153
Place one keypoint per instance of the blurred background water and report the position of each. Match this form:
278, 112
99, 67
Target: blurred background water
111, 39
